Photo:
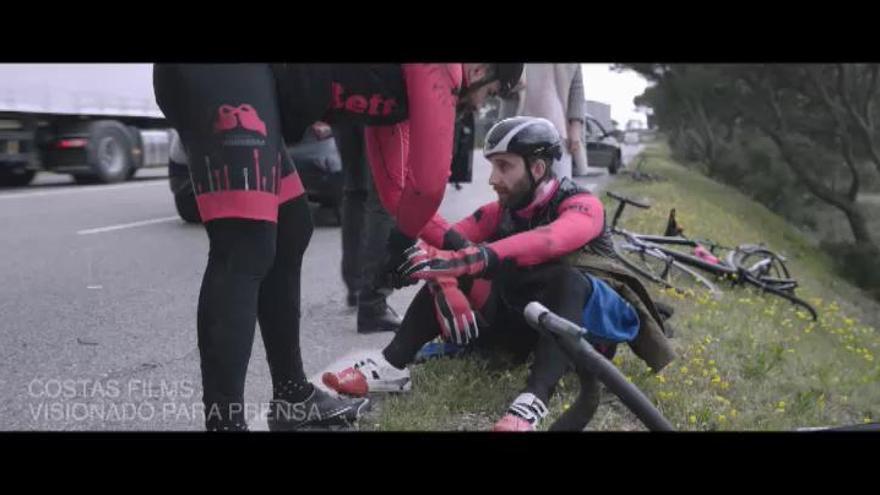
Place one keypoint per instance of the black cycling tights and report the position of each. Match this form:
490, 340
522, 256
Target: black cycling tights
230, 123
253, 272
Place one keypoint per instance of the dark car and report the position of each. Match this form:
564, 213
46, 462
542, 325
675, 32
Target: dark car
603, 149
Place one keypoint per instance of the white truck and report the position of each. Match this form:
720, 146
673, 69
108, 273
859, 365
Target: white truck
96, 122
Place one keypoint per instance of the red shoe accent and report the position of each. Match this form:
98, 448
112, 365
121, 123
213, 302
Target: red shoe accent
348, 382
511, 422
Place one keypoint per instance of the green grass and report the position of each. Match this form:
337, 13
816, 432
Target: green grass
746, 361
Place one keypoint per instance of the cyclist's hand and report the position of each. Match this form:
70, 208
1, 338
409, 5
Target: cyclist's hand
321, 130
458, 323
426, 262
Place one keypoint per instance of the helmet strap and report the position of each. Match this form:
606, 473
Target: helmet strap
533, 185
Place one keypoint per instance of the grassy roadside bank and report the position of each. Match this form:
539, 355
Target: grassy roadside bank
746, 361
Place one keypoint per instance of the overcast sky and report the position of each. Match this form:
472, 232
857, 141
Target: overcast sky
615, 88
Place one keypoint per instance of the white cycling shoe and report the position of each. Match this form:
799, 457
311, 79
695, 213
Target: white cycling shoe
370, 373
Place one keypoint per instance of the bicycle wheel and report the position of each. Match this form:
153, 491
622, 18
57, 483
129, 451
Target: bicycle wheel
761, 263
787, 294
660, 268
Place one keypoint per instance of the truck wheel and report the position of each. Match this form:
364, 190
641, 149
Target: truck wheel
187, 207
16, 177
109, 151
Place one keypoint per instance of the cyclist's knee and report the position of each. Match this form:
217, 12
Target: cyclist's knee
561, 283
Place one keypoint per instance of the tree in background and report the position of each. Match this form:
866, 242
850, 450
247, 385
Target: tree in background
770, 128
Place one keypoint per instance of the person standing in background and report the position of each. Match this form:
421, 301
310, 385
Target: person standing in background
365, 229
555, 92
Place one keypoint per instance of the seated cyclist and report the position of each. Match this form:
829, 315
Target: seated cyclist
509, 253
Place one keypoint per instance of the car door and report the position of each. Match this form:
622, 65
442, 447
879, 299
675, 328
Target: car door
599, 153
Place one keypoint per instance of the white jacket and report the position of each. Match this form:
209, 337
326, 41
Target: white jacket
556, 93
552, 91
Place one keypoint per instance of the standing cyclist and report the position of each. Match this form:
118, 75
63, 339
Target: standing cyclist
233, 120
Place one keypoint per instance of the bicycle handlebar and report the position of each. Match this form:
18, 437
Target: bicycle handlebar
572, 339
624, 199
623, 202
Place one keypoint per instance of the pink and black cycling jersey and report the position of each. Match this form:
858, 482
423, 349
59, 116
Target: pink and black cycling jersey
409, 111
562, 219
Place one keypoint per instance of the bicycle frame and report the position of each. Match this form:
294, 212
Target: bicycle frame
658, 243
635, 244
754, 275
722, 268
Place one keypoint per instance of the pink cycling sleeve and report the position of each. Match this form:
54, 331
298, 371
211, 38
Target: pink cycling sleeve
482, 224
411, 161
581, 219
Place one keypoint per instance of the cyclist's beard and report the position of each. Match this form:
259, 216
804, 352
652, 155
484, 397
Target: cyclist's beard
464, 103
517, 197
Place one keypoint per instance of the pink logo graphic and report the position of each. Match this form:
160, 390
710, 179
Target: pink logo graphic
245, 116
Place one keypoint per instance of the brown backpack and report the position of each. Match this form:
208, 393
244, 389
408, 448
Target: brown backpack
651, 343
